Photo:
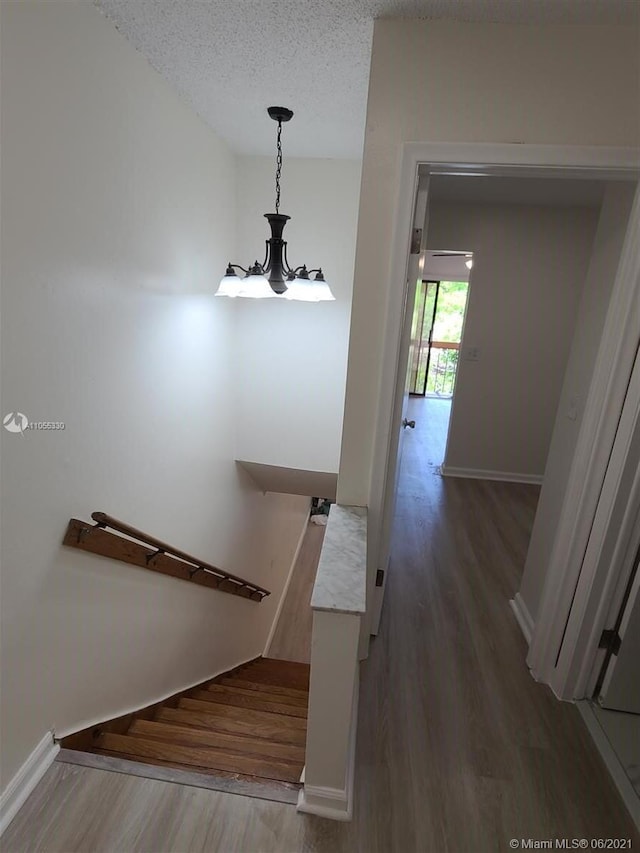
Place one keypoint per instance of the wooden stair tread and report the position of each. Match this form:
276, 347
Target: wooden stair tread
201, 756
263, 686
256, 704
285, 667
292, 665
270, 729
189, 736
249, 722
257, 693
287, 670
265, 676
249, 715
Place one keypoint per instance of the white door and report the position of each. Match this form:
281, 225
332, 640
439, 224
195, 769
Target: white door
400, 398
620, 684
621, 687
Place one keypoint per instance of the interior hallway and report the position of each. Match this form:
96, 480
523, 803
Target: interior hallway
458, 748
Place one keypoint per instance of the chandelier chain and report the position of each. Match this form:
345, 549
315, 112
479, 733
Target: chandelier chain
278, 167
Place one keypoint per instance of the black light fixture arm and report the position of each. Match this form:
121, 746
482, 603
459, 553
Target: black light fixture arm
232, 267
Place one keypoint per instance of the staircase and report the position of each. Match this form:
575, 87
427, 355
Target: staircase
250, 721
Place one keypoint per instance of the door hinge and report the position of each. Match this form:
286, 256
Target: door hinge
610, 640
379, 577
416, 241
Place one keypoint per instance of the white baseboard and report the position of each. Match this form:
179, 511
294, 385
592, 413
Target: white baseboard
615, 768
331, 803
26, 779
523, 616
334, 803
274, 624
482, 474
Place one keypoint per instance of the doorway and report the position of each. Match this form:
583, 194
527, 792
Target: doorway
420, 161
438, 320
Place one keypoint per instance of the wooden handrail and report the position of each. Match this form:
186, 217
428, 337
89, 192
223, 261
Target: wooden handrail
163, 558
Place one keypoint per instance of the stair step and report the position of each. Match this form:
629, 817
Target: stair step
249, 702
264, 686
201, 756
255, 746
257, 693
291, 665
250, 715
270, 729
268, 675
271, 784
289, 672
284, 668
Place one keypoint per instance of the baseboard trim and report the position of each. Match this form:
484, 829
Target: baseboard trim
26, 779
296, 554
611, 760
331, 803
523, 616
483, 474
334, 803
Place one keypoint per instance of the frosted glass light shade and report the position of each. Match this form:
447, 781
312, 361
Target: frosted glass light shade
256, 287
301, 290
229, 286
322, 291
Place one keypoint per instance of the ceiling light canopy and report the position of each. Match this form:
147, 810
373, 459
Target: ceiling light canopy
274, 276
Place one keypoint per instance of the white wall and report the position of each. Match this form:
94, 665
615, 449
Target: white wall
291, 357
603, 265
529, 268
118, 215
519, 84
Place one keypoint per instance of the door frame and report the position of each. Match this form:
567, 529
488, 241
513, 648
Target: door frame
612, 370
608, 559
384, 478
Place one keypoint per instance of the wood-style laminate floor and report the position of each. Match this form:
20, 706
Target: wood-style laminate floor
458, 748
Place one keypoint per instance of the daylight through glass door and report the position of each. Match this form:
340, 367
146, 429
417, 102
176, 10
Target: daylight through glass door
436, 332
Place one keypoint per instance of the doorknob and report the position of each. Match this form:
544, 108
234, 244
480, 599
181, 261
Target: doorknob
410, 424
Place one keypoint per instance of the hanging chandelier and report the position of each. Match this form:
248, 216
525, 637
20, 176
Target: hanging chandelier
274, 276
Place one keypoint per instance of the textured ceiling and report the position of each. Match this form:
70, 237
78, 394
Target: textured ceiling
231, 59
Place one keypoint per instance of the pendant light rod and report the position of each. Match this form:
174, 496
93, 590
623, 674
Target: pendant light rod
279, 114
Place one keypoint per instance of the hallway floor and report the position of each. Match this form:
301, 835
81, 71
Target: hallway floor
458, 748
